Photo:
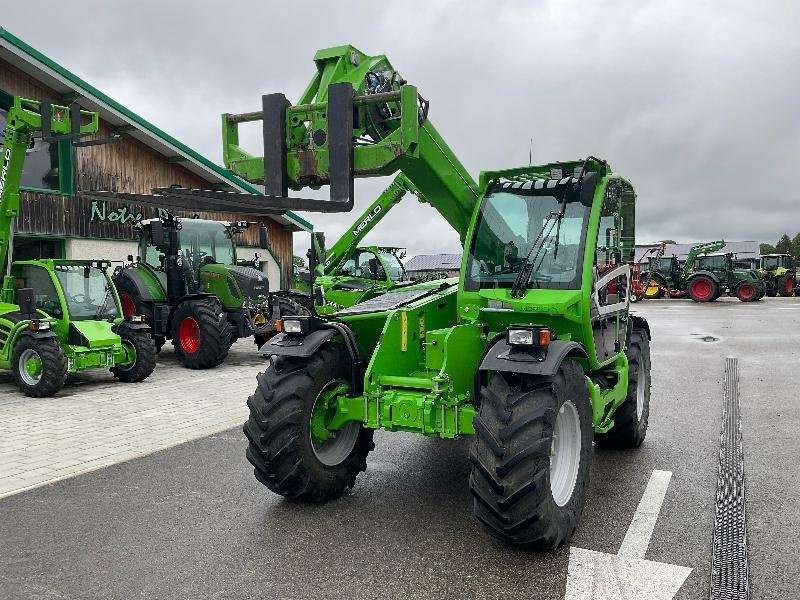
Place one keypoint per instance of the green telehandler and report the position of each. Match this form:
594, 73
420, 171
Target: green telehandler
189, 284
532, 351
59, 316
779, 272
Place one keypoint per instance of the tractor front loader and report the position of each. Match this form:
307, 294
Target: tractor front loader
532, 351
59, 316
714, 274
187, 282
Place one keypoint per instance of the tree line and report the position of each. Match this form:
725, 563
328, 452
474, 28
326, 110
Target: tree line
785, 245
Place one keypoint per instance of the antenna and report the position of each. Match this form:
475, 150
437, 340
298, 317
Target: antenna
530, 153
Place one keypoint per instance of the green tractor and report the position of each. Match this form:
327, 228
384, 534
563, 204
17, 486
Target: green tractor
59, 317
533, 351
671, 277
191, 288
715, 274
779, 272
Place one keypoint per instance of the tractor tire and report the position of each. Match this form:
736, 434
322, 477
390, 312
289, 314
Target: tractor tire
529, 485
771, 291
747, 292
145, 351
132, 305
785, 285
285, 456
630, 419
200, 333
650, 291
159, 341
702, 289
39, 366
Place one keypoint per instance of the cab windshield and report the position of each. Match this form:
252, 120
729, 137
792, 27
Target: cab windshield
204, 242
770, 263
513, 226
88, 292
393, 264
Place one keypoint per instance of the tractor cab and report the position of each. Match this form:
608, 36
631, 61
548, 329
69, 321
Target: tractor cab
779, 272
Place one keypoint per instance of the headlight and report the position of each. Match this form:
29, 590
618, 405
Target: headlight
292, 326
528, 336
136, 318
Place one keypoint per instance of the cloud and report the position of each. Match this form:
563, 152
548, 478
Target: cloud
694, 102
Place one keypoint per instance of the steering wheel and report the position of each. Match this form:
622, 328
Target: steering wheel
79, 298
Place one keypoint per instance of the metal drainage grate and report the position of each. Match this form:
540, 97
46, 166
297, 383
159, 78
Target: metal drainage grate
729, 569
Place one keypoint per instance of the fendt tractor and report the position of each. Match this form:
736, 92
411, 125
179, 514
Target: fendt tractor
779, 272
187, 282
532, 351
59, 316
715, 274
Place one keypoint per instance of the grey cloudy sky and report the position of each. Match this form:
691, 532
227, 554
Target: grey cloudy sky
695, 102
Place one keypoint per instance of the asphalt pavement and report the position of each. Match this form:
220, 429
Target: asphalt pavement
192, 522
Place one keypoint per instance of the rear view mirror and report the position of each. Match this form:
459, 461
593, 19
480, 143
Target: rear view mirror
27, 302
263, 238
157, 233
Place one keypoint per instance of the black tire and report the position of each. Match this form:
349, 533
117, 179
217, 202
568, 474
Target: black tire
145, 350
747, 292
782, 284
510, 479
214, 334
126, 287
630, 420
705, 283
54, 366
279, 432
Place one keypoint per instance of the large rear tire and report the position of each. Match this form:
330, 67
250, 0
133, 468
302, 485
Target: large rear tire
785, 285
702, 288
286, 456
531, 456
630, 419
39, 366
144, 351
200, 333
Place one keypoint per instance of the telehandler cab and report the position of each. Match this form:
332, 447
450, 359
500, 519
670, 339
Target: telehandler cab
59, 316
532, 351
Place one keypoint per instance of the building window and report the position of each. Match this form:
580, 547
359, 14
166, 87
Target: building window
47, 165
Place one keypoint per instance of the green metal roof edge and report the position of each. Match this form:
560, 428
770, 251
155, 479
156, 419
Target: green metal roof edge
80, 83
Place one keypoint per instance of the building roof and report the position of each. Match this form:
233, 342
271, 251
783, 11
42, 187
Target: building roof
434, 262
56, 77
746, 249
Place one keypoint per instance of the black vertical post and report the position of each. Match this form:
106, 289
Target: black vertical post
276, 180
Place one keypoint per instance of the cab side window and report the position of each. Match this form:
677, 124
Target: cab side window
44, 292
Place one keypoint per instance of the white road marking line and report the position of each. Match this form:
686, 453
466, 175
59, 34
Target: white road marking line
637, 539
593, 575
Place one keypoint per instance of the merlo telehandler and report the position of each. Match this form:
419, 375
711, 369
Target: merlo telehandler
533, 351
59, 316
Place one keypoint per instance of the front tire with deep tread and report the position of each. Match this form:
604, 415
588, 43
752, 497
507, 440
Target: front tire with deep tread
279, 429
145, 351
214, 333
53, 365
511, 456
630, 419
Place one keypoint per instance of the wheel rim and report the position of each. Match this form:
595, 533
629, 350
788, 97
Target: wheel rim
332, 451
132, 349
701, 288
30, 366
747, 291
565, 453
641, 389
189, 335
652, 290
128, 304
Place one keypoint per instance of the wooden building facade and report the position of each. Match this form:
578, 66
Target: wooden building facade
56, 220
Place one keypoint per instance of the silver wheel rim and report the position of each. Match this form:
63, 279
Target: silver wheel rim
334, 451
29, 379
565, 453
641, 389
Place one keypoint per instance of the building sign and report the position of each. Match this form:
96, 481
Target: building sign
100, 211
